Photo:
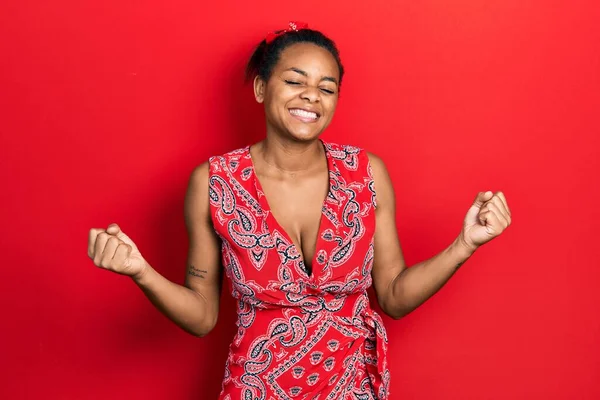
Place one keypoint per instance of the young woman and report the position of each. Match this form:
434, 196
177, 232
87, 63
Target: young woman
301, 228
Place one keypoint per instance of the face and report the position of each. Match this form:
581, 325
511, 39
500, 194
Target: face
301, 95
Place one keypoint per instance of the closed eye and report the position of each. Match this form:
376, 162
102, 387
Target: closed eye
328, 91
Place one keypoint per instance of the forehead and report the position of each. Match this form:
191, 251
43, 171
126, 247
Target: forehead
310, 58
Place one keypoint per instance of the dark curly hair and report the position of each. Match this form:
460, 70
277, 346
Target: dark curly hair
266, 56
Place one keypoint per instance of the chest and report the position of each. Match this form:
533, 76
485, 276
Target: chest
297, 206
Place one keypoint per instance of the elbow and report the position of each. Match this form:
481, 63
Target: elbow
201, 331
394, 316
202, 327
395, 312
399, 314
205, 322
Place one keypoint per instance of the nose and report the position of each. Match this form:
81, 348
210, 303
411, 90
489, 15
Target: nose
311, 94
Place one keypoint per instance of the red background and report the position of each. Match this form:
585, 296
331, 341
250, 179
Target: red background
106, 107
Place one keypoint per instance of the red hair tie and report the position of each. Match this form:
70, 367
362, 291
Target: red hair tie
293, 26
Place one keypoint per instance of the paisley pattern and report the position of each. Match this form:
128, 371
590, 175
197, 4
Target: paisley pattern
301, 334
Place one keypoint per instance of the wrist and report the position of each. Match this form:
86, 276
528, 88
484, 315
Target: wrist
141, 276
462, 247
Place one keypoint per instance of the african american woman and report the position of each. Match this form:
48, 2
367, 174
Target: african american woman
301, 228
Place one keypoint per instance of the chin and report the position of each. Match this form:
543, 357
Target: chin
305, 135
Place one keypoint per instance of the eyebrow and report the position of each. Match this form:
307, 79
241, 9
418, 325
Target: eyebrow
304, 73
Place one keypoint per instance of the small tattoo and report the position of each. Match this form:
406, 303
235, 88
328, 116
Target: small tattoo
200, 273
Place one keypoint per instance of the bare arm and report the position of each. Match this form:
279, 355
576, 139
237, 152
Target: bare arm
400, 289
195, 306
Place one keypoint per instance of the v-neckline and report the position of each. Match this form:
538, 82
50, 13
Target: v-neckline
264, 203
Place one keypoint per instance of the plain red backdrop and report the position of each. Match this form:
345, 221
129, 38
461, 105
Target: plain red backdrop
106, 108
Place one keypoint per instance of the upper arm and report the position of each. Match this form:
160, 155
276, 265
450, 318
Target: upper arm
388, 260
204, 263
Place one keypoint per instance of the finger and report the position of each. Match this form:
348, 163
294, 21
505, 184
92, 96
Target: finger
109, 251
101, 240
503, 198
481, 198
501, 208
494, 223
487, 218
500, 217
115, 229
92, 241
483, 216
121, 254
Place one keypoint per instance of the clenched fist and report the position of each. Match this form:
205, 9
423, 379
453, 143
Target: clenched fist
487, 218
113, 250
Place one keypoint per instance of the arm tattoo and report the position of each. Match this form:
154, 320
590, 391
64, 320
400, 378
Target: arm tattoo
200, 273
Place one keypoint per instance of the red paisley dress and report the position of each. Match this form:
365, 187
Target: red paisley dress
301, 335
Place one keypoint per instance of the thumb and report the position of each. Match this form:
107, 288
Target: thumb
473, 212
482, 197
114, 229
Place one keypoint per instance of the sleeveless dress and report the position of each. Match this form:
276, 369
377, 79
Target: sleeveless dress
301, 335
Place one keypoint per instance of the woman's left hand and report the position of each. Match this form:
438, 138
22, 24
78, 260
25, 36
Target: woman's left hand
487, 218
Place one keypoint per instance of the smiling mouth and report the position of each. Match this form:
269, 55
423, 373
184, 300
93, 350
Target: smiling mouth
303, 115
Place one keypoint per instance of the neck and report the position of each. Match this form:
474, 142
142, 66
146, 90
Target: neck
290, 156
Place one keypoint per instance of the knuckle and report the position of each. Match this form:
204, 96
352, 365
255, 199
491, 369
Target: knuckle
124, 247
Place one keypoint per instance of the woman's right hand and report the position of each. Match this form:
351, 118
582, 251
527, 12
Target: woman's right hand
113, 250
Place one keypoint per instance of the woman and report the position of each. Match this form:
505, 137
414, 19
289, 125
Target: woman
302, 228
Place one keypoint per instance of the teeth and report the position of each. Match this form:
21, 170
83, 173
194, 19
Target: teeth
302, 113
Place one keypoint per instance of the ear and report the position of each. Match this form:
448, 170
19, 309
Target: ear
259, 89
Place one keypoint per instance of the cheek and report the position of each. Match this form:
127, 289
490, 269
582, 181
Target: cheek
275, 108
280, 97
331, 105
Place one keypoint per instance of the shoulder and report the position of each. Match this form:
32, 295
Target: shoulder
198, 179
353, 158
382, 182
377, 163
200, 174
230, 155
343, 151
349, 149
228, 162
336, 148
